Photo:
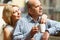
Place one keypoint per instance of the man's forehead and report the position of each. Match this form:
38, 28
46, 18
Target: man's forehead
34, 2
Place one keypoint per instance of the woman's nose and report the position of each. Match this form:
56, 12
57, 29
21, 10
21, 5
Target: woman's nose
19, 12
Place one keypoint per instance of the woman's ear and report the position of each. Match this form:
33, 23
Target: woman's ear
5, 19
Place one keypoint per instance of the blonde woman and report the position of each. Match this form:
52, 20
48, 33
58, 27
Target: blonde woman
11, 14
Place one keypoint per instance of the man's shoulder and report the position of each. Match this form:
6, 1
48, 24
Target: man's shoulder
23, 19
49, 20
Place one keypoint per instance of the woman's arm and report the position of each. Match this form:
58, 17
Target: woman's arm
6, 34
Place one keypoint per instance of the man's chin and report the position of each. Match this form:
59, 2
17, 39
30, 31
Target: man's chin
40, 14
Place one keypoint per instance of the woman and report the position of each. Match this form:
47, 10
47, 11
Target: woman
11, 14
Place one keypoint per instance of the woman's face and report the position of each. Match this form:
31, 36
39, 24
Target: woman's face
16, 13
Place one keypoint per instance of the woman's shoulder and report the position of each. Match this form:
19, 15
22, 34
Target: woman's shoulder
8, 28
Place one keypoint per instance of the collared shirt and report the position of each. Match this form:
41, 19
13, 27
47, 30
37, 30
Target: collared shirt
24, 26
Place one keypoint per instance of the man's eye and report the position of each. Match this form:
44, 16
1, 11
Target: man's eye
36, 6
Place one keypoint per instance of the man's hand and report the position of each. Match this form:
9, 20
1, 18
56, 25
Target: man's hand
43, 19
45, 36
32, 38
33, 31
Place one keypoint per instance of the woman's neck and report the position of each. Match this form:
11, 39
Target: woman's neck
13, 23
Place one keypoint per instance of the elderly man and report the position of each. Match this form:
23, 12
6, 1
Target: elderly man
26, 28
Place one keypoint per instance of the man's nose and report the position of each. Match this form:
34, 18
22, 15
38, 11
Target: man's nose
40, 7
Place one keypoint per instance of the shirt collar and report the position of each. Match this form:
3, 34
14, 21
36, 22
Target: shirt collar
31, 19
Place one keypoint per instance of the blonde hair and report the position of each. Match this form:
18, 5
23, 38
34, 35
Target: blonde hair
7, 12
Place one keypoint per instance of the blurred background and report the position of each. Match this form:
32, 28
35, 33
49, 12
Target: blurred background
50, 7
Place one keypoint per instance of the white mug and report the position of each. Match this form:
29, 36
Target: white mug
42, 28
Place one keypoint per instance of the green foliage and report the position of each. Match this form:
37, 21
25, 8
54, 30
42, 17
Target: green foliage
58, 20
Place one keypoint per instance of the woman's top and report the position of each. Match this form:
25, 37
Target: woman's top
10, 30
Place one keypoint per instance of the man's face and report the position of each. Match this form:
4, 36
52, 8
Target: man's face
36, 8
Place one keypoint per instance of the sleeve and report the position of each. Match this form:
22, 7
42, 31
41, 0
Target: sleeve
55, 27
18, 32
18, 35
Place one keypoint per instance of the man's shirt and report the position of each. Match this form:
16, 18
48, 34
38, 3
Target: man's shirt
24, 26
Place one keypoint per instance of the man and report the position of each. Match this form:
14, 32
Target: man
26, 28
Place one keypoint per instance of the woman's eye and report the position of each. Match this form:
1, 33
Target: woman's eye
13, 12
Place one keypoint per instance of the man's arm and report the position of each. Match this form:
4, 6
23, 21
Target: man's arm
45, 35
18, 33
55, 27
